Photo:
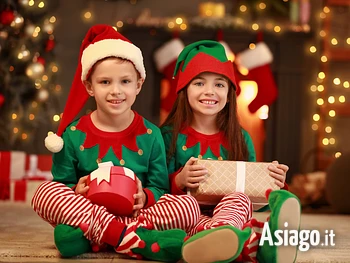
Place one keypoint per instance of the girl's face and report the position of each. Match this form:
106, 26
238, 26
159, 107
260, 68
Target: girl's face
115, 85
207, 94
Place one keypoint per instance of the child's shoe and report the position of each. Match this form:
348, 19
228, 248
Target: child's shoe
285, 208
222, 244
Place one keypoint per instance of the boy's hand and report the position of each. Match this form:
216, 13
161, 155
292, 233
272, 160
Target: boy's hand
81, 187
278, 172
191, 175
140, 198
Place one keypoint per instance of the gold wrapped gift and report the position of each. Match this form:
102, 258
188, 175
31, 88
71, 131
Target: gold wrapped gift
225, 177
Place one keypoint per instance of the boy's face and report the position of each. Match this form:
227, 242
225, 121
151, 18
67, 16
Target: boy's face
207, 94
115, 85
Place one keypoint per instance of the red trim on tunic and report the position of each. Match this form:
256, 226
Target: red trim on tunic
116, 140
150, 198
212, 141
173, 187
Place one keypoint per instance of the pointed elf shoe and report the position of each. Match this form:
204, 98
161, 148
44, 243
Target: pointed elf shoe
70, 241
222, 244
285, 208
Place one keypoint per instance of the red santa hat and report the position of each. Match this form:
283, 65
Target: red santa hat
100, 42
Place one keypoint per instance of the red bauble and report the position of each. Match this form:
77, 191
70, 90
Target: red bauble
50, 45
6, 17
41, 60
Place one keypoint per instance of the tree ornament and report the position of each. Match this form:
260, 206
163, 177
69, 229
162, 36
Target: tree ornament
4, 35
48, 28
35, 70
50, 44
17, 21
29, 30
24, 53
41, 60
6, 17
2, 100
43, 95
23, 3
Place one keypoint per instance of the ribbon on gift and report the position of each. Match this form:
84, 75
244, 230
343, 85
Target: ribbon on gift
240, 181
103, 172
33, 167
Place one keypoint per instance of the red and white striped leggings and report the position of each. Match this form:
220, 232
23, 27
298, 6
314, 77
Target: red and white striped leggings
57, 204
234, 209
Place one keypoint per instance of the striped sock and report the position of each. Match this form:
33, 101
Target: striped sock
131, 240
251, 246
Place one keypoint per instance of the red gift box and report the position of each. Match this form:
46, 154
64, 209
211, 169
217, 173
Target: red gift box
12, 167
113, 187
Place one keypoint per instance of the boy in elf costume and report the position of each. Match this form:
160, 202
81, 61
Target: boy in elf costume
203, 124
111, 70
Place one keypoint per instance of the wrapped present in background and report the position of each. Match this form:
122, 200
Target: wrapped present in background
12, 167
225, 177
23, 190
310, 188
38, 167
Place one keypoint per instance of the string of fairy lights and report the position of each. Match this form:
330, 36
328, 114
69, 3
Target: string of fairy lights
211, 15
326, 86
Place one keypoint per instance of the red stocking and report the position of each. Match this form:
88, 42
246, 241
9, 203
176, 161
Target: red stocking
165, 58
257, 61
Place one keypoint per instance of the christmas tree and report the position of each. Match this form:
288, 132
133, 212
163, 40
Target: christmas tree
28, 90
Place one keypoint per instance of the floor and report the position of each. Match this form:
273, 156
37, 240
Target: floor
24, 237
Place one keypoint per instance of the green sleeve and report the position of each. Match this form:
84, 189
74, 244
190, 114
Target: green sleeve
250, 146
157, 178
64, 163
167, 141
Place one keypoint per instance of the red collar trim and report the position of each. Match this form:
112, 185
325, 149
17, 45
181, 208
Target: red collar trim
212, 141
116, 140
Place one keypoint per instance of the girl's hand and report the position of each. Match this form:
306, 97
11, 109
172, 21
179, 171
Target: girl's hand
81, 187
278, 172
191, 175
140, 198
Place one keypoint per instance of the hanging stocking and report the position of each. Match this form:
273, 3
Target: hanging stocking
257, 61
165, 58
231, 56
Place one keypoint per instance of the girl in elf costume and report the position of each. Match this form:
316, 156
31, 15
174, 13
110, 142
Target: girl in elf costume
111, 71
203, 124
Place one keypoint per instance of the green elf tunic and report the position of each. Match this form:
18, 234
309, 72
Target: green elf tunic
139, 147
191, 143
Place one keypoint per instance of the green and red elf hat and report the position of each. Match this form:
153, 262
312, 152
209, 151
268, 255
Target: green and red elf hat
199, 57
